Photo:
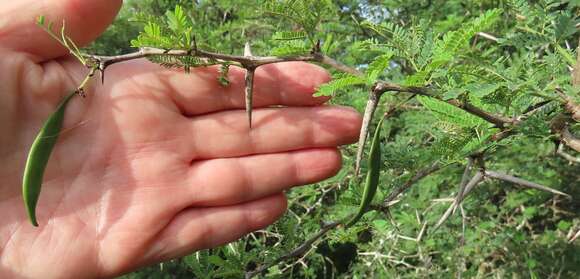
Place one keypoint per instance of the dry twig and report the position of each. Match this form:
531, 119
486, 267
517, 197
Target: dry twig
476, 179
297, 252
563, 154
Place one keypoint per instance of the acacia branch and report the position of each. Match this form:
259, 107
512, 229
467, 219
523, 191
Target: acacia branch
385, 86
337, 65
522, 182
253, 61
499, 121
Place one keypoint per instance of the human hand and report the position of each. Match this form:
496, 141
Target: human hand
154, 163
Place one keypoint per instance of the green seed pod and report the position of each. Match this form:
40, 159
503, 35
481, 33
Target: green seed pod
38, 158
372, 179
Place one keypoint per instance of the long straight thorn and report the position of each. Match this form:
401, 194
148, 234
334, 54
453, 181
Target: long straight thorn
248, 50
250, 71
372, 103
249, 92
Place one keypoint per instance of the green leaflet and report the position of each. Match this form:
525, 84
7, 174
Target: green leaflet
378, 66
448, 113
339, 83
38, 158
372, 179
289, 35
566, 55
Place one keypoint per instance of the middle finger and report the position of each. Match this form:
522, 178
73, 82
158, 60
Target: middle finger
227, 134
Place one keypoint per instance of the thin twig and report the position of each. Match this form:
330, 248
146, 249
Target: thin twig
435, 167
569, 139
464, 178
563, 154
418, 176
497, 120
522, 182
488, 36
476, 179
337, 65
559, 126
297, 252
463, 224
573, 238
422, 231
385, 86
461, 263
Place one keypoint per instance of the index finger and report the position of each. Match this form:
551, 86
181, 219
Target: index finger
85, 20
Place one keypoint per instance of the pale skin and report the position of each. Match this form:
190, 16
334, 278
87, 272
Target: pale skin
154, 164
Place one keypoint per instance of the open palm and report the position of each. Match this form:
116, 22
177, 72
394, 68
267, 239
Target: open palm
154, 163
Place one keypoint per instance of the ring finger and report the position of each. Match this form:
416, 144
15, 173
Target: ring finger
236, 180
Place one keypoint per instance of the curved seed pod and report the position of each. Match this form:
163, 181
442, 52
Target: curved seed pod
38, 158
372, 179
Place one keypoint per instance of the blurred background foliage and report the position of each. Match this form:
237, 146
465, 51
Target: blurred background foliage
509, 231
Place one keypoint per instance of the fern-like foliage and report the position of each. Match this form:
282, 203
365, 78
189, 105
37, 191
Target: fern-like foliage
378, 67
174, 31
291, 48
224, 71
453, 42
454, 146
305, 14
448, 113
289, 35
346, 81
398, 38
449, 47
184, 62
340, 82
